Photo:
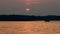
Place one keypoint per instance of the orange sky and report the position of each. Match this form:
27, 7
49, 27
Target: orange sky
29, 27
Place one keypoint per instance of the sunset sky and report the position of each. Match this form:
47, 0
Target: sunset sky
30, 7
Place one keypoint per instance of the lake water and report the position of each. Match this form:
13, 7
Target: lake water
36, 7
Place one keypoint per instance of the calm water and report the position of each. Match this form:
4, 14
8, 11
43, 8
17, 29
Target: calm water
30, 7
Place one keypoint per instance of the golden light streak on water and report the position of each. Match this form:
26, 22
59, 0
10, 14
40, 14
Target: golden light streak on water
31, 2
28, 2
29, 27
27, 10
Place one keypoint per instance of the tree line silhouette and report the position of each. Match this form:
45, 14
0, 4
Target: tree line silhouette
28, 18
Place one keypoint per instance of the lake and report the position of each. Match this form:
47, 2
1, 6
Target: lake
30, 7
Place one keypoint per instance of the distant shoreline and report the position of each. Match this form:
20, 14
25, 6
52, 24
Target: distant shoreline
29, 18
